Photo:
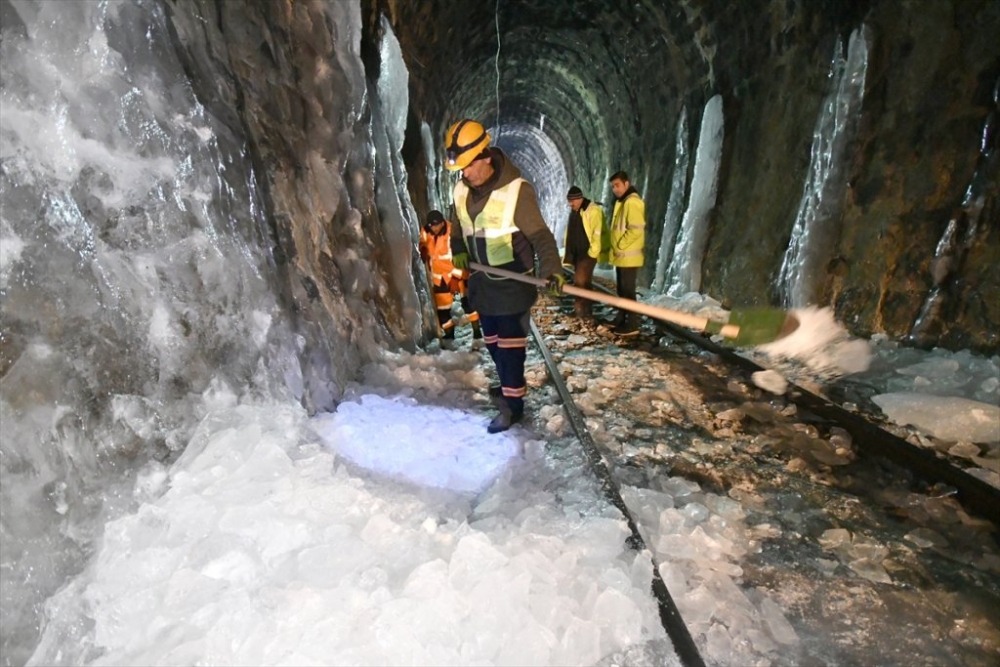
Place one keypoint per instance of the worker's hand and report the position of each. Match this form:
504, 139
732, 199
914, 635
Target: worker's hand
424, 255
460, 260
556, 283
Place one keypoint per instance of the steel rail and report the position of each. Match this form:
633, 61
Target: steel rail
670, 616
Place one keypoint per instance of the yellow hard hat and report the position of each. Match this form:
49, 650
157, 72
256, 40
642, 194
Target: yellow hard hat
463, 142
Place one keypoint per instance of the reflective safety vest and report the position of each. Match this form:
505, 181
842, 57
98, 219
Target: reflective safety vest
494, 224
597, 232
628, 232
439, 249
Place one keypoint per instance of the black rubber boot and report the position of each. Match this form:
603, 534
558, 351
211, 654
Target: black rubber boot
629, 326
503, 421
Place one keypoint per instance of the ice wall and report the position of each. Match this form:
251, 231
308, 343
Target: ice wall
400, 224
188, 223
816, 227
672, 218
960, 234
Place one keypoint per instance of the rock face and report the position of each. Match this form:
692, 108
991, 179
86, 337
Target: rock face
611, 82
289, 80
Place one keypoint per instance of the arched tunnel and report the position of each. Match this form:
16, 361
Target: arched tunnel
210, 215
578, 91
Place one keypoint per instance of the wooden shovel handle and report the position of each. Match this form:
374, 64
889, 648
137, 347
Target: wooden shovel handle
656, 312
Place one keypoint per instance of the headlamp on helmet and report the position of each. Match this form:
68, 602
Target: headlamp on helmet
465, 142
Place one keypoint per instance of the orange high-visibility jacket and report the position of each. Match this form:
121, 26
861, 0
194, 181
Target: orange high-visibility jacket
439, 249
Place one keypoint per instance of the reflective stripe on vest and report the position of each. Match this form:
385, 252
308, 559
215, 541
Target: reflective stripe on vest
621, 254
619, 224
495, 223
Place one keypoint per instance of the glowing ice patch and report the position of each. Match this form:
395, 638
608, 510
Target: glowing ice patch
428, 445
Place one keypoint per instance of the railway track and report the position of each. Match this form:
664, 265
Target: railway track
671, 404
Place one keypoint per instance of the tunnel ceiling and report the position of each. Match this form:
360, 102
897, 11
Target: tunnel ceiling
584, 65
602, 74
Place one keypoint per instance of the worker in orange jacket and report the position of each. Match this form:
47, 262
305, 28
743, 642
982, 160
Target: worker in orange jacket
435, 251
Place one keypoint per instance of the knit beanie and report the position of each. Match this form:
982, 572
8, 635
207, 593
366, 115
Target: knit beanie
574, 193
433, 218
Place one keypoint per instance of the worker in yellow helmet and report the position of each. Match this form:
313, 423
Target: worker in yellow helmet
500, 225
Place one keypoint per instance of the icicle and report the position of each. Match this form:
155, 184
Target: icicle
815, 229
685, 269
672, 218
399, 227
960, 233
431, 154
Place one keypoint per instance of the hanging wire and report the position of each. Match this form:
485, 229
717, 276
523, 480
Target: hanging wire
496, 63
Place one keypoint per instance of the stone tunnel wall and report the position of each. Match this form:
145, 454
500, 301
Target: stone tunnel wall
931, 75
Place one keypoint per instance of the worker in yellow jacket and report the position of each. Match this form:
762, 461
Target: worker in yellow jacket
628, 241
447, 280
583, 244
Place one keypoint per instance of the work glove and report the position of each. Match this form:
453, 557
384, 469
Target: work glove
555, 284
460, 260
424, 255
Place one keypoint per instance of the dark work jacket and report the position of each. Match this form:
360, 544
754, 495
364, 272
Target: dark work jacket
577, 241
491, 295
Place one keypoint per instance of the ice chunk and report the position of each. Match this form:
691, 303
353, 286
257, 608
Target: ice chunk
678, 487
770, 380
777, 625
944, 417
388, 435
835, 538
925, 537
473, 555
870, 570
719, 644
964, 449
936, 367
697, 606
695, 513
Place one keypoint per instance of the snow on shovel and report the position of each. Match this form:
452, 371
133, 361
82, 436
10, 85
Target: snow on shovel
748, 326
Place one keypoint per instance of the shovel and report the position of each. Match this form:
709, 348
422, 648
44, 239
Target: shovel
745, 327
